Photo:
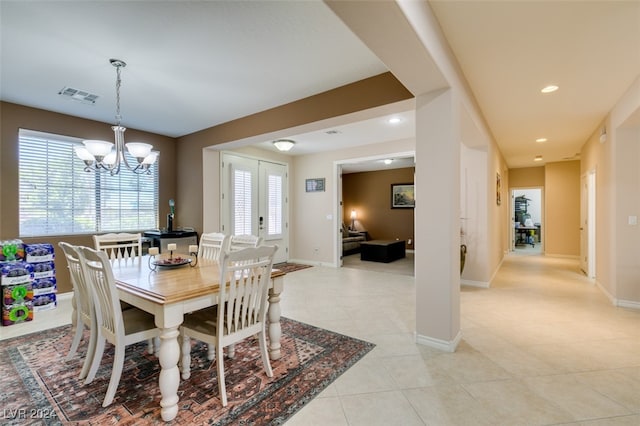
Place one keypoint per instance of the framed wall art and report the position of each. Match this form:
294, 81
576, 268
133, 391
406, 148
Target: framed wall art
314, 185
498, 189
402, 196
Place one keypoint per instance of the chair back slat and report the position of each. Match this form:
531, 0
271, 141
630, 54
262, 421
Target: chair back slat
247, 273
82, 293
212, 245
119, 246
97, 269
239, 242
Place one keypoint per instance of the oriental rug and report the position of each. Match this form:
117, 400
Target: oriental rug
39, 387
288, 267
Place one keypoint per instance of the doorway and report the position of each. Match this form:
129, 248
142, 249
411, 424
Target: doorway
254, 200
527, 220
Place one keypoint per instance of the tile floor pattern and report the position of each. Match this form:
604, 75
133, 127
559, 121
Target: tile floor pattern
542, 346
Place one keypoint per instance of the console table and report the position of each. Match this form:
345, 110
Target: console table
382, 250
183, 239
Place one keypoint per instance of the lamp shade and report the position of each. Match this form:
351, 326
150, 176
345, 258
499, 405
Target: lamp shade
139, 149
353, 214
83, 153
98, 148
284, 144
151, 158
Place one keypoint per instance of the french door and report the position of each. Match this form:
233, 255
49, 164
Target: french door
254, 201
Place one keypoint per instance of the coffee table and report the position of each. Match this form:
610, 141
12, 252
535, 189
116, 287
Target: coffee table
382, 250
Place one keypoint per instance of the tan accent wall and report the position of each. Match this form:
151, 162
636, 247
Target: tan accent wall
526, 177
368, 93
369, 193
15, 117
562, 208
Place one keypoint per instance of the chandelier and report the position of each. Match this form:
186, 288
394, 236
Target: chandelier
106, 156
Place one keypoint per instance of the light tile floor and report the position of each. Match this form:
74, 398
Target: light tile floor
542, 346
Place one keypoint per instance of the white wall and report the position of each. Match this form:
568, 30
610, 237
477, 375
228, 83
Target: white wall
314, 216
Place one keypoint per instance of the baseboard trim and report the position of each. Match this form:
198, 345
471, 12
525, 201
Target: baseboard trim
471, 283
64, 296
443, 345
313, 263
562, 256
631, 304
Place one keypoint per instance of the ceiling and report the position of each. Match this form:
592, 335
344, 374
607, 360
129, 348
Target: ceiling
193, 65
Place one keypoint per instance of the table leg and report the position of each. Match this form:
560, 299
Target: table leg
169, 373
275, 332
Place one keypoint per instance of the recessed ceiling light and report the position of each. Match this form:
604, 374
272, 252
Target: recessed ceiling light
550, 88
388, 161
538, 158
394, 120
540, 140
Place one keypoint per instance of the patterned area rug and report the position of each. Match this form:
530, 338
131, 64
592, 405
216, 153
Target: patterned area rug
39, 387
290, 267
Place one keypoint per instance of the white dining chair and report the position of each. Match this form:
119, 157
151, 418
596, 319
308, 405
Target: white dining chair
119, 327
83, 311
212, 245
124, 246
243, 241
246, 273
120, 245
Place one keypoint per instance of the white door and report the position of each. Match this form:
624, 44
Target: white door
254, 201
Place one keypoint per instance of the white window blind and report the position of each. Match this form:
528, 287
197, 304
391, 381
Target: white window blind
242, 202
274, 204
57, 197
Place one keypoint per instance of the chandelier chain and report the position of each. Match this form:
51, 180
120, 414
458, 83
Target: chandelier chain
118, 83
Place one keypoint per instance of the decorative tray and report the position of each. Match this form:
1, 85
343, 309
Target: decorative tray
171, 263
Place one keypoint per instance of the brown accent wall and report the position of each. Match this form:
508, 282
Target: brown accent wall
375, 91
369, 193
562, 208
14, 117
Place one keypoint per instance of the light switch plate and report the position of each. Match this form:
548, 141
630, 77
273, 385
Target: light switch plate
633, 220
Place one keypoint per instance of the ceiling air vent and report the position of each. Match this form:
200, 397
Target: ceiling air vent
78, 95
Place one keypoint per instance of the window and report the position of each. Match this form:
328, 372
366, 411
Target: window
58, 197
242, 202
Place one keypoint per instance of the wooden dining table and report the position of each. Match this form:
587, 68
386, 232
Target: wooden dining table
169, 293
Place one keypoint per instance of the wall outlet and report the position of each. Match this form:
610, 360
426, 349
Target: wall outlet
409, 241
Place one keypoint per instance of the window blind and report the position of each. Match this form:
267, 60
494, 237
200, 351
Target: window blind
274, 208
242, 202
57, 197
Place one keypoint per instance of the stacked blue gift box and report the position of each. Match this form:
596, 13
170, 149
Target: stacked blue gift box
27, 279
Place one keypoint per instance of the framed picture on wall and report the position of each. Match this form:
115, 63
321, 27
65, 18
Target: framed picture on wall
402, 196
498, 189
314, 185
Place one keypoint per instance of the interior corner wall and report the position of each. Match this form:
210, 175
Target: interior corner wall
473, 215
562, 209
369, 194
